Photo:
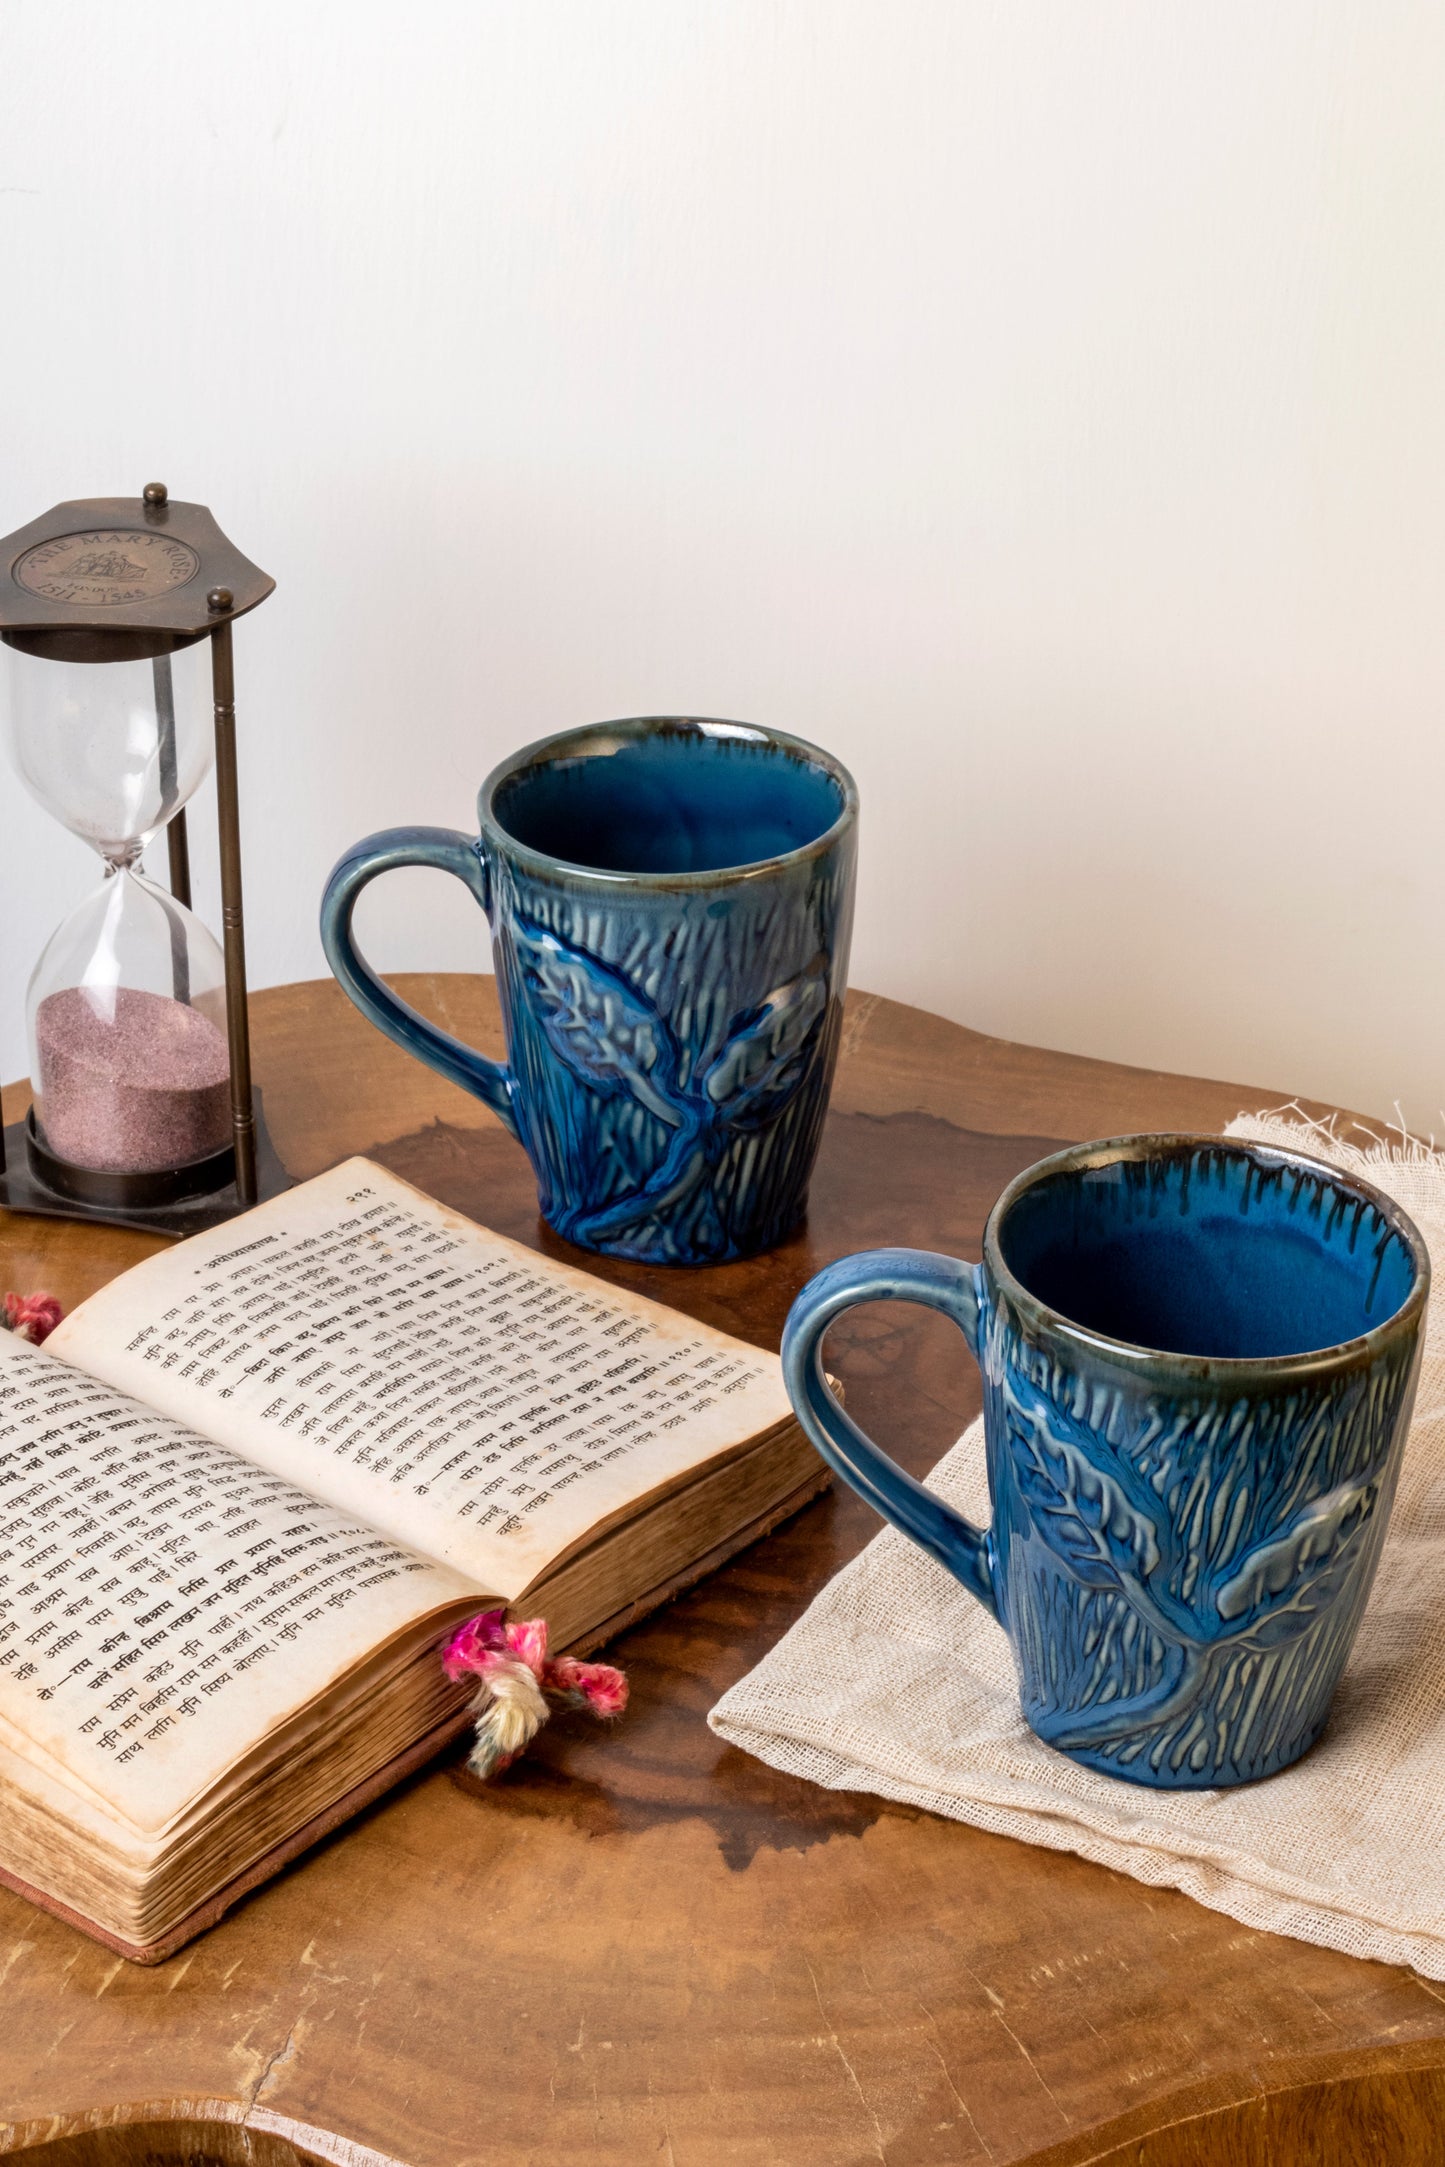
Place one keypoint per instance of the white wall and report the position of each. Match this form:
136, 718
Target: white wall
1042, 405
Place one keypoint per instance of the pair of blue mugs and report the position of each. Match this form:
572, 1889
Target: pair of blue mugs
1198, 1356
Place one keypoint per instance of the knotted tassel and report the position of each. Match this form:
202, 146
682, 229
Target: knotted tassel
31, 1317
517, 1683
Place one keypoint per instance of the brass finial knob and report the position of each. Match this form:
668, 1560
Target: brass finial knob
219, 598
155, 493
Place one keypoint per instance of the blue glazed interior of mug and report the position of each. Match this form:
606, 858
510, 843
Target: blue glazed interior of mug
1209, 1251
687, 800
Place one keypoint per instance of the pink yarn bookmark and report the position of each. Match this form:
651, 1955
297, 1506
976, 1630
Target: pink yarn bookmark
31, 1317
517, 1681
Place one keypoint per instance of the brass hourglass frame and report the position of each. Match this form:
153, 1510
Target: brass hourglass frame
182, 581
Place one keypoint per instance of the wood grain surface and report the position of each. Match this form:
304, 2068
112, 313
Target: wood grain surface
640, 1945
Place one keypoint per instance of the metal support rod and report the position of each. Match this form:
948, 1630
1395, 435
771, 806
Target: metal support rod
243, 1119
165, 696
178, 846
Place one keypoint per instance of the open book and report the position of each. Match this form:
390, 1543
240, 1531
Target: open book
247, 1489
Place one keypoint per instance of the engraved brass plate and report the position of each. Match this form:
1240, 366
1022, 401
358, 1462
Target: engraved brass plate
106, 567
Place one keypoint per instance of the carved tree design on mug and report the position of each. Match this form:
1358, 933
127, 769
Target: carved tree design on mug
611, 1038
1103, 1524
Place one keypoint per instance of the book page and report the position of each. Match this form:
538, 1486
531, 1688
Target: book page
453, 1389
164, 1605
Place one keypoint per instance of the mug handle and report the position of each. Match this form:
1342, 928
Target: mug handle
414, 1033
887, 1275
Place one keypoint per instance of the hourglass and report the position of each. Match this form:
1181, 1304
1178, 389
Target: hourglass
142, 1108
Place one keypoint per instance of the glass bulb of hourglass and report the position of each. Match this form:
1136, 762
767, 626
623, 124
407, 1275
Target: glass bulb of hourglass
126, 1016
112, 749
129, 1060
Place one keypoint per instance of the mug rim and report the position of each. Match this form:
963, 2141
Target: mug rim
1235, 1369
543, 751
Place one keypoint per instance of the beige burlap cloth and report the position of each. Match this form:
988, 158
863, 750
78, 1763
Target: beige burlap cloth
896, 1681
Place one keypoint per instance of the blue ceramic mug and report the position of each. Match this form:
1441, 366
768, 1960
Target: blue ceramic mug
1199, 1360
671, 904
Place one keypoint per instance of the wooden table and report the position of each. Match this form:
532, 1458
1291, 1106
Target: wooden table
642, 1946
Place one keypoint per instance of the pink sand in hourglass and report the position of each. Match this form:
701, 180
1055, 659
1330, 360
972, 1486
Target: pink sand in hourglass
147, 1088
